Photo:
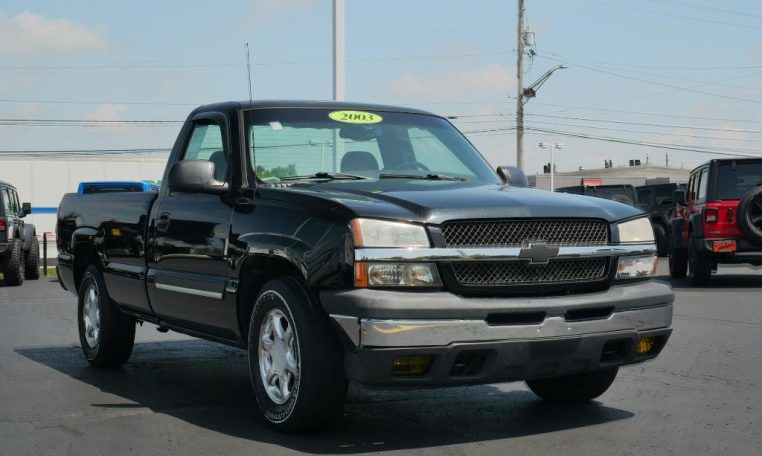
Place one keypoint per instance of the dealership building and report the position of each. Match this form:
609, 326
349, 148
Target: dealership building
43, 180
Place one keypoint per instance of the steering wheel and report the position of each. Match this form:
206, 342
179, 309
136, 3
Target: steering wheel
412, 165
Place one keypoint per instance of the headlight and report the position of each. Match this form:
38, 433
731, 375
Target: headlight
633, 267
396, 275
638, 230
382, 233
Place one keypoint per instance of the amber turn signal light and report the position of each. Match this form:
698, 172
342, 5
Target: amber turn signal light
646, 345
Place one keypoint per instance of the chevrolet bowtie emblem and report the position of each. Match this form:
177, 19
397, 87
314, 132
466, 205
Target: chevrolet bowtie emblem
538, 252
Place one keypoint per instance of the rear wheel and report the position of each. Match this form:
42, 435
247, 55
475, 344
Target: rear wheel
662, 241
678, 262
295, 361
574, 388
105, 334
32, 266
699, 264
13, 272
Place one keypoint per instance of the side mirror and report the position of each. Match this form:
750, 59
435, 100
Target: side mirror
26, 209
513, 176
679, 197
195, 176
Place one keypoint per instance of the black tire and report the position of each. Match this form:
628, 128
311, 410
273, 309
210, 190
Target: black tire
32, 266
678, 262
318, 388
662, 241
13, 272
699, 265
575, 388
111, 345
750, 215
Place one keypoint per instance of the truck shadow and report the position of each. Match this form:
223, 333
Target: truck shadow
208, 385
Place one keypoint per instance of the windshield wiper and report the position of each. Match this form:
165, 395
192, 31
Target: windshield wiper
324, 175
429, 176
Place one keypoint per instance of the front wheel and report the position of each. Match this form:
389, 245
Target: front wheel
105, 333
662, 241
574, 388
678, 262
295, 361
32, 265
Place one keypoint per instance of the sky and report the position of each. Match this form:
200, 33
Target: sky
681, 74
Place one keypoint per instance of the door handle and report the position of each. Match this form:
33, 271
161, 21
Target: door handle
162, 223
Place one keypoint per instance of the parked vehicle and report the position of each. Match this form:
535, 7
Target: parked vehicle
19, 250
718, 219
363, 242
620, 193
657, 200
116, 186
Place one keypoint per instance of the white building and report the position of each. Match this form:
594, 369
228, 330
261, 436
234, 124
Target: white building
44, 180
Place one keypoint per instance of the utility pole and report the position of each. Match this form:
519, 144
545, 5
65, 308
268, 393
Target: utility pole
338, 50
520, 88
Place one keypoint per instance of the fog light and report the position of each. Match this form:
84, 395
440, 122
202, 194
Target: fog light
633, 267
412, 365
646, 345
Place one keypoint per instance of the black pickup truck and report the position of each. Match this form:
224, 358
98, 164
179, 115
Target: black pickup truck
339, 241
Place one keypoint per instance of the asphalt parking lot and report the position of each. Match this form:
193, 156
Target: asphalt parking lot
180, 395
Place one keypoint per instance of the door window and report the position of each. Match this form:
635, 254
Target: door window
644, 198
206, 144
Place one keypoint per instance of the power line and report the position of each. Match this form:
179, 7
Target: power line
662, 13
706, 8
648, 124
661, 133
228, 64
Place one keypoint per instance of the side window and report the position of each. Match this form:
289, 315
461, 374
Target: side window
206, 144
6, 201
691, 193
644, 197
663, 197
429, 149
17, 202
703, 185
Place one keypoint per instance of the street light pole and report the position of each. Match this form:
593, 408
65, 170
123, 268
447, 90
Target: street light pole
338, 50
552, 163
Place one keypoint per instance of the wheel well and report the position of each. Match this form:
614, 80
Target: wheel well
84, 255
254, 274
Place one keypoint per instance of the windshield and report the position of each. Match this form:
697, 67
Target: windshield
735, 179
370, 144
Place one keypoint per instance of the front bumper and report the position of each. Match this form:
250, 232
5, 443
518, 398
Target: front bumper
571, 334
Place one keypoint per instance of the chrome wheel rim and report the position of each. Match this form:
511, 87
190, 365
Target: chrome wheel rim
91, 316
278, 356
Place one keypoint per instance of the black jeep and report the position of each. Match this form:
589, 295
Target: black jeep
19, 250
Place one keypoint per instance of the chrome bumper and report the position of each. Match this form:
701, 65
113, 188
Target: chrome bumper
387, 333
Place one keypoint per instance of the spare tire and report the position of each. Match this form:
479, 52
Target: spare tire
750, 215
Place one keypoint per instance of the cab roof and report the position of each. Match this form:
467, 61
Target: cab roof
6, 184
313, 104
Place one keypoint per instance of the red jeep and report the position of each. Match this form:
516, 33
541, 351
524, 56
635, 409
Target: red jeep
718, 219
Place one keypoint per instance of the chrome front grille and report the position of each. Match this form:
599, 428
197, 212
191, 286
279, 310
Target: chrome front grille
507, 233
515, 273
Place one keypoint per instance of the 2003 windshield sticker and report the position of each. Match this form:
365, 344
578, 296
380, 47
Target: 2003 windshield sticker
355, 117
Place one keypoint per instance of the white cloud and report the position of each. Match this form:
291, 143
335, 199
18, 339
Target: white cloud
265, 11
493, 79
27, 32
107, 112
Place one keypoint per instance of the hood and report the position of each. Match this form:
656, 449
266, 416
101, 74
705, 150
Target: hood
438, 201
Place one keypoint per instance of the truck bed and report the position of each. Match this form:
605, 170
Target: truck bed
120, 222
